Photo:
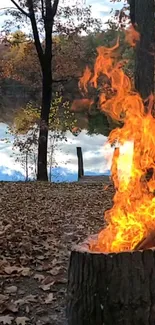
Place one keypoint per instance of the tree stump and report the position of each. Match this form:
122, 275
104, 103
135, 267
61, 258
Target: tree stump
111, 289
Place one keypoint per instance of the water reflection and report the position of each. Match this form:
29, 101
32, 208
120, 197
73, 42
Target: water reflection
97, 159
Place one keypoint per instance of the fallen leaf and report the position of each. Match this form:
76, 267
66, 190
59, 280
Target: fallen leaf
26, 299
40, 257
55, 270
3, 298
21, 320
11, 306
39, 277
49, 298
46, 287
31, 298
47, 280
11, 289
26, 271
6, 319
11, 269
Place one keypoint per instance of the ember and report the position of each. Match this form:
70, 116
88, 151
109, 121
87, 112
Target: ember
132, 217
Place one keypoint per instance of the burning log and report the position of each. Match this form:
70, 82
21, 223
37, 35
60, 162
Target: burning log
111, 289
147, 242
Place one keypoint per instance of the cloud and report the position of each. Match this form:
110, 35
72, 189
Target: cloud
94, 153
100, 9
96, 157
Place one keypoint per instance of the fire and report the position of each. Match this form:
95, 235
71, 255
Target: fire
132, 216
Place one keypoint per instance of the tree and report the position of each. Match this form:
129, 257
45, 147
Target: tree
29, 9
141, 14
145, 51
25, 130
44, 16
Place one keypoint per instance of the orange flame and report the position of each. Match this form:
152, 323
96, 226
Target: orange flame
132, 216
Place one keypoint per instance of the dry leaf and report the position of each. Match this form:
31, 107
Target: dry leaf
40, 257
26, 299
3, 298
47, 280
11, 306
11, 289
39, 277
6, 319
21, 320
55, 270
42, 226
31, 298
11, 269
49, 298
26, 271
47, 287
8, 306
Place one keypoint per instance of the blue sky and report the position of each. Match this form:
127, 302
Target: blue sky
96, 159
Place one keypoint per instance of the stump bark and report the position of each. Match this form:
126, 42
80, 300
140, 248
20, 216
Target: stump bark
111, 289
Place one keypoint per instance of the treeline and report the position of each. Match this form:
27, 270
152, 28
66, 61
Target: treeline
20, 73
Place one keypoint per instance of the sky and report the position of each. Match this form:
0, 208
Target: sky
95, 156
100, 8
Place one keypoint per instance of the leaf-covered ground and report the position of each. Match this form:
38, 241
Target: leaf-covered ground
39, 223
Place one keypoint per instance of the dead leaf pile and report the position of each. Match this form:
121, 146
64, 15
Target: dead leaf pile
39, 223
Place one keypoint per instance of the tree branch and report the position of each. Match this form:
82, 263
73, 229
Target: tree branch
35, 32
42, 9
20, 9
55, 7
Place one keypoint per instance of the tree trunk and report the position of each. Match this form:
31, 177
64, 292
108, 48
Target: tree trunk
80, 163
111, 289
145, 51
42, 174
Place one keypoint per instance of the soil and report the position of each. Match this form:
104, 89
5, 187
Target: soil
39, 223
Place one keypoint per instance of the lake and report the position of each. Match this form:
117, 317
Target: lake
97, 158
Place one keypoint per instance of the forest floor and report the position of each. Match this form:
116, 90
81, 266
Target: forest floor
39, 223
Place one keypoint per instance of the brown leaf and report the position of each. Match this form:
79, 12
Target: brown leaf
26, 299
26, 271
39, 277
47, 280
27, 309
49, 298
11, 289
46, 287
55, 270
21, 320
8, 306
11, 269
11, 306
6, 319
3, 298
40, 257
